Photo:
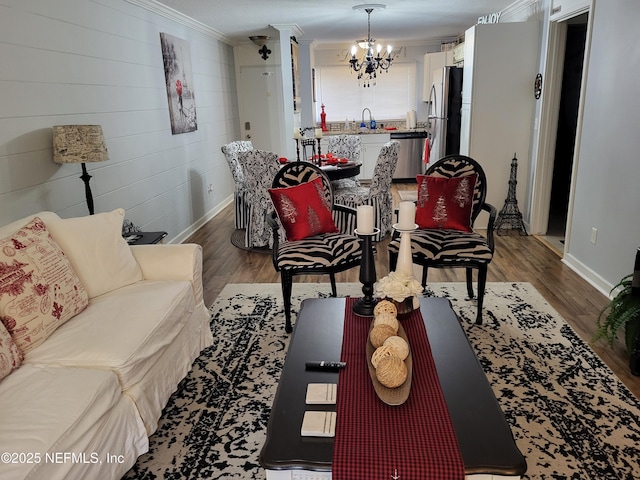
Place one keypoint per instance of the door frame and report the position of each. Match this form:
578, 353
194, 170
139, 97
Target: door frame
552, 86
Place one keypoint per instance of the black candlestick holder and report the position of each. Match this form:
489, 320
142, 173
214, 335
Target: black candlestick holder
365, 305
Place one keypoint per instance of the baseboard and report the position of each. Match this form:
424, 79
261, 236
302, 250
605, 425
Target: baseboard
589, 275
182, 236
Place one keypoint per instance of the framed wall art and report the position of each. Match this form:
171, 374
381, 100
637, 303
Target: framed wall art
178, 76
295, 70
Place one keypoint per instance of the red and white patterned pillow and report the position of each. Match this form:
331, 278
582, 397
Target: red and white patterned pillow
445, 203
303, 210
10, 355
39, 290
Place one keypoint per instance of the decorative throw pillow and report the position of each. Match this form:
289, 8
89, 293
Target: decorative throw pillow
39, 289
95, 247
445, 203
304, 210
10, 355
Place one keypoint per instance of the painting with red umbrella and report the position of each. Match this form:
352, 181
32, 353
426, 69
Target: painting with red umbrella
176, 56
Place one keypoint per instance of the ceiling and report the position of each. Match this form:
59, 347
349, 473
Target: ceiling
335, 21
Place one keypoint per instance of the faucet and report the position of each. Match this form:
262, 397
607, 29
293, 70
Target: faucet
370, 117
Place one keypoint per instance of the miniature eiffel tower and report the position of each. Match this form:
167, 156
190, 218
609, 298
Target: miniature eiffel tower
510, 217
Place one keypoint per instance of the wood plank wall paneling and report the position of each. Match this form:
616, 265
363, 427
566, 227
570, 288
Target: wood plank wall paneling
517, 259
100, 61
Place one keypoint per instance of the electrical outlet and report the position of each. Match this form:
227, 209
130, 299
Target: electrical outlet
210, 188
594, 235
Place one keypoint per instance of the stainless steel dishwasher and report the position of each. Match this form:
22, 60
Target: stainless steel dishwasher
410, 155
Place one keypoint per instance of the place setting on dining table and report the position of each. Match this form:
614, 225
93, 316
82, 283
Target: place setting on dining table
336, 167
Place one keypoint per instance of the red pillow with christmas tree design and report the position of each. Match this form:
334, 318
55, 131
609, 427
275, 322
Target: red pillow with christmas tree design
445, 203
304, 210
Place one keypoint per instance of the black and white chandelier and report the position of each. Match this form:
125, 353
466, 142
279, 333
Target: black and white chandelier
372, 62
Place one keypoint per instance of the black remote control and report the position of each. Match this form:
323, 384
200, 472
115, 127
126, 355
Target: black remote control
325, 366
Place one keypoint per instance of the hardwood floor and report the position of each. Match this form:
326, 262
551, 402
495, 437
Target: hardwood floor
516, 259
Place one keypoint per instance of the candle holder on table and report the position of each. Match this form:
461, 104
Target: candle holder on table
299, 135
365, 305
404, 264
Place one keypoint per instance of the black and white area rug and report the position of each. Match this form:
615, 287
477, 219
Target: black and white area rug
570, 416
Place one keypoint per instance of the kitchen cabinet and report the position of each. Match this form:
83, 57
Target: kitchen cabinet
432, 62
500, 65
458, 54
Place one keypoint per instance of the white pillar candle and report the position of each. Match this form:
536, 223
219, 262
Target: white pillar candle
407, 216
296, 133
318, 132
364, 219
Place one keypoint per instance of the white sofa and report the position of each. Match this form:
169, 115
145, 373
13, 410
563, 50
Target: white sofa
82, 403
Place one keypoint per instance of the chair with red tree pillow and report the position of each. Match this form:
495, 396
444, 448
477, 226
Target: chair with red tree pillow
311, 244
451, 195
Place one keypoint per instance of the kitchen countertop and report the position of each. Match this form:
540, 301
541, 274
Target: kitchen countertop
337, 128
377, 131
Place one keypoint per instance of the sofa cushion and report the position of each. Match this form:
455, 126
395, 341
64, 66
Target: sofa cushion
128, 329
97, 251
10, 354
49, 407
39, 291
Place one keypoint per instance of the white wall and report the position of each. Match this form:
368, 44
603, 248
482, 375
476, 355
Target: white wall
607, 193
100, 62
413, 54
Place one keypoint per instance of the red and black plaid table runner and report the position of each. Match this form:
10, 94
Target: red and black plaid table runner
373, 440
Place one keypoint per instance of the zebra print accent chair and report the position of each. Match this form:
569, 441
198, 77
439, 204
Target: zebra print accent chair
345, 146
240, 193
440, 248
327, 253
378, 193
259, 167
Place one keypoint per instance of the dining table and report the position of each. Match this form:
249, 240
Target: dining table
335, 170
342, 170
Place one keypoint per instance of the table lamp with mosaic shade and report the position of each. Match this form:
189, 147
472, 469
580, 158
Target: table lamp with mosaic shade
80, 144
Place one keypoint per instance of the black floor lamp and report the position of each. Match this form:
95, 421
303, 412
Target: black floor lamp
80, 144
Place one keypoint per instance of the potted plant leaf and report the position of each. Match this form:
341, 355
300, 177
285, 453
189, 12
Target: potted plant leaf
623, 312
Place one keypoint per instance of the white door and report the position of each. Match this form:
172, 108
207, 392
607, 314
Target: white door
260, 102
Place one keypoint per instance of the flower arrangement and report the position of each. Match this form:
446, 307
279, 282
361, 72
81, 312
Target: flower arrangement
397, 286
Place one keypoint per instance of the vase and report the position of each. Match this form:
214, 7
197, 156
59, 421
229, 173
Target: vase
634, 358
404, 307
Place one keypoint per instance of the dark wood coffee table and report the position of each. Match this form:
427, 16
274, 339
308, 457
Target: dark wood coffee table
484, 437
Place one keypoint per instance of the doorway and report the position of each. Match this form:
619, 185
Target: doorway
559, 138
566, 131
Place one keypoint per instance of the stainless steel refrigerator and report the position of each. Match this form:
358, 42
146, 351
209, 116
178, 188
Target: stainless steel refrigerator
445, 104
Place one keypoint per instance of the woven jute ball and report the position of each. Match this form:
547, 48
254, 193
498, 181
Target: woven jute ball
387, 319
391, 371
380, 353
385, 306
398, 345
380, 333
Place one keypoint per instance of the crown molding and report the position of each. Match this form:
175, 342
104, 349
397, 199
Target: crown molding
171, 14
517, 8
296, 31
408, 43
